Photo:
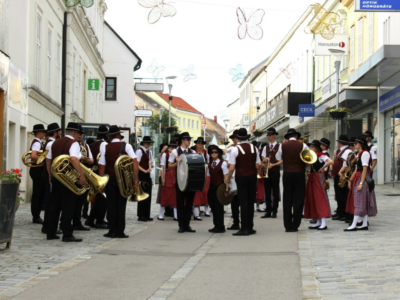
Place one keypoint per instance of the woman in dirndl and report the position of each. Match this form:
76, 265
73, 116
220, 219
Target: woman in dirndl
316, 204
201, 198
364, 199
350, 199
168, 180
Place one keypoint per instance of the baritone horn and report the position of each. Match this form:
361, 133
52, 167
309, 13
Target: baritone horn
308, 156
27, 160
126, 177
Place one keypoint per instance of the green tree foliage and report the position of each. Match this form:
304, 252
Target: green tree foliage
154, 124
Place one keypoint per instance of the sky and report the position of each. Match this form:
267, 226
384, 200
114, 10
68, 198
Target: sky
203, 33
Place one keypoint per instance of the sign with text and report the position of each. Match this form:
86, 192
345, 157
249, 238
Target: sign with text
149, 87
143, 113
328, 87
246, 120
93, 84
389, 99
377, 5
306, 110
338, 42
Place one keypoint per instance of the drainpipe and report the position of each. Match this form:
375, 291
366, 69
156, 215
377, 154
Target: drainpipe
64, 72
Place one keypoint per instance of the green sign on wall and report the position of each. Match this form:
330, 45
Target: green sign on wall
93, 84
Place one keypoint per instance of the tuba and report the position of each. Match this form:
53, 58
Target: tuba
27, 161
96, 168
125, 178
308, 156
63, 170
304, 139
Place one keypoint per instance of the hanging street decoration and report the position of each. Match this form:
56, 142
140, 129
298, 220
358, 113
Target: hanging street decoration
85, 3
323, 23
188, 73
250, 27
236, 73
159, 8
155, 69
289, 71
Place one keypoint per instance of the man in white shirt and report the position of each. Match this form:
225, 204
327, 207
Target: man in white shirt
115, 201
373, 150
145, 159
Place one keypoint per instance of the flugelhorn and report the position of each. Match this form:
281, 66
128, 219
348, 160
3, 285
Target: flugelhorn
27, 160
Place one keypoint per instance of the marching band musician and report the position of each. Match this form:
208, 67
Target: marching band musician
98, 210
245, 160
271, 184
373, 150
200, 198
341, 193
168, 182
63, 200
54, 133
145, 159
260, 197
87, 161
184, 200
116, 203
316, 201
218, 172
293, 179
37, 174
364, 199
350, 199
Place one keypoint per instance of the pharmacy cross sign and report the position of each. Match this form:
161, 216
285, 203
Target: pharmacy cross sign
93, 84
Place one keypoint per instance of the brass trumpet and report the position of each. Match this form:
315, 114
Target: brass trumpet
27, 161
267, 167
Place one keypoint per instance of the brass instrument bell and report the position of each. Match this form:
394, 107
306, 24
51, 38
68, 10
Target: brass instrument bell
308, 156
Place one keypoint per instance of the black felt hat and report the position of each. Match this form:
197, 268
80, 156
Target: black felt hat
325, 142
200, 139
361, 139
233, 135
352, 140
344, 139
184, 135
89, 141
147, 139
368, 134
242, 134
173, 143
38, 128
292, 131
114, 130
176, 136
315, 143
72, 126
52, 128
102, 129
214, 147
81, 131
272, 131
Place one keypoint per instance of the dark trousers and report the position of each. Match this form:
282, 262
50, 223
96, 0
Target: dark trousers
294, 189
78, 208
217, 208
64, 201
116, 207
341, 196
184, 205
39, 190
98, 210
247, 189
144, 207
235, 210
272, 183
48, 203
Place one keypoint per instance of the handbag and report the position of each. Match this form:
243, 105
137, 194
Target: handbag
371, 185
326, 185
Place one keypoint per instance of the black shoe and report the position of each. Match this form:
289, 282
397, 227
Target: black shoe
142, 219
362, 228
289, 230
167, 214
324, 228
313, 227
216, 230
101, 226
207, 215
313, 222
53, 237
354, 229
197, 219
90, 223
44, 230
348, 221
267, 215
122, 236
241, 233
110, 235
252, 231
343, 219
161, 219
337, 218
175, 219
273, 216
234, 227
71, 239
149, 219
81, 228
37, 220
335, 215
260, 210
181, 230
189, 229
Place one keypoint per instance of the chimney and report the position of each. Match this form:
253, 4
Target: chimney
215, 119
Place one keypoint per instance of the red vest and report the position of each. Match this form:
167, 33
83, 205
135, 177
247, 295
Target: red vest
246, 164
36, 141
112, 154
216, 174
95, 149
144, 161
180, 152
57, 147
271, 154
292, 162
338, 163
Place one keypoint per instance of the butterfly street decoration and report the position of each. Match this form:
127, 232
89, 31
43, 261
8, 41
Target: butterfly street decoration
236, 73
188, 74
323, 23
251, 26
159, 8
289, 71
155, 68
85, 3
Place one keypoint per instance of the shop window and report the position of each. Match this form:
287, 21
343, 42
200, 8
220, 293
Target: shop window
38, 49
360, 41
111, 88
352, 48
371, 33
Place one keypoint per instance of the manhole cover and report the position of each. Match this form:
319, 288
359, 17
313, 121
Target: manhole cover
391, 195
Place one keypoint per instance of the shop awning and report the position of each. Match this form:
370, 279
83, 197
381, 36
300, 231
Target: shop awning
378, 68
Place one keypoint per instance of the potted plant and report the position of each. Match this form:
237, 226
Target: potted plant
9, 203
258, 132
171, 129
338, 113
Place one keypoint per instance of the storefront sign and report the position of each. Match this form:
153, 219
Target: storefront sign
377, 5
306, 110
389, 99
246, 120
328, 87
338, 42
273, 113
18, 90
143, 113
149, 87
4, 69
93, 84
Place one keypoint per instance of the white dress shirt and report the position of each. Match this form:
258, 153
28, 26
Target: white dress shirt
270, 146
163, 161
346, 153
172, 157
128, 149
373, 151
235, 153
37, 146
365, 158
325, 151
49, 144
224, 167
74, 151
278, 154
139, 154
89, 152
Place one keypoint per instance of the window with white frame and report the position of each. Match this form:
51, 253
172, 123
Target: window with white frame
184, 122
192, 124
73, 82
371, 33
38, 48
197, 125
59, 71
386, 31
317, 71
179, 122
360, 41
49, 53
352, 47
80, 90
